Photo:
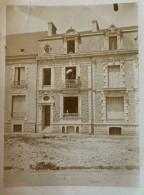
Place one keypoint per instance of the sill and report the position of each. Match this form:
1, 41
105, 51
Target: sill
115, 89
19, 86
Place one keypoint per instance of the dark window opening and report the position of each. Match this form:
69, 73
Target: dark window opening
63, 129
17, 128
112, 43
77, 129
71, 46
47, 76
70, 106
70, 72
115, 131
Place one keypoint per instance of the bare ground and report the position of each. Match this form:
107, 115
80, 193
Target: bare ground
27, 152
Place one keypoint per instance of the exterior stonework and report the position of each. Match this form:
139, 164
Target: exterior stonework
46, 108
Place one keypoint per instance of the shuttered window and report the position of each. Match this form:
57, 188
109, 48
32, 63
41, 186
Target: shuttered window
18, 106
115, 108
114, 76
19, 75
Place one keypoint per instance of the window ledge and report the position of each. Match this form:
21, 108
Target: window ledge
115, 89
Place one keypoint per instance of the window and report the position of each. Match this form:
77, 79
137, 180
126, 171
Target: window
70, 106
18, 106
71, 46
70, 77
47, 76
114, 76
19, 76
77, 129
17, 128
113, 43
63, 129
115, 131
115, 108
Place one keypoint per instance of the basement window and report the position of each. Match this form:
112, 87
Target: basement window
115, 131
47, 76
17, 128
71, 46
70, 106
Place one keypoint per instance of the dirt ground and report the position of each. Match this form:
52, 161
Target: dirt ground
25, 152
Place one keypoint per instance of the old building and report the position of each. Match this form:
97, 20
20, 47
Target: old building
75, 82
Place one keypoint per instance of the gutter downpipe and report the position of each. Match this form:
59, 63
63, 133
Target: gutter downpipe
92, 119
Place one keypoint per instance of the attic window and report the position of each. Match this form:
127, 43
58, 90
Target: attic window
71, 46
22, 50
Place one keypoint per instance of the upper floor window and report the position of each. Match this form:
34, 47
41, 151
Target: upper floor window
71, 46
47, 76
113, 43
19, 78
114, 76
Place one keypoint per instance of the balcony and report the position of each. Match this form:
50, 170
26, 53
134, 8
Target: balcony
18, 114
70, 114
73, 83
19, 84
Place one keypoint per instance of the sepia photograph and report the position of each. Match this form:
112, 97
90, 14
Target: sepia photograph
72, 96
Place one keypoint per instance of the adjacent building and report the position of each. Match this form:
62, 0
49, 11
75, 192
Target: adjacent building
75, 82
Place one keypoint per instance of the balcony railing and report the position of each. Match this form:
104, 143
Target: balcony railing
18, 114
73, 83
19, 83
70, 114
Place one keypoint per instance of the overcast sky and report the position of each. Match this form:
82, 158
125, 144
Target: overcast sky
21, 19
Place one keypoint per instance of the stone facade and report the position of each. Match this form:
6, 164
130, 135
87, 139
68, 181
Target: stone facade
48, 85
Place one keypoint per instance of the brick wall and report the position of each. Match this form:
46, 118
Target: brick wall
129, 74
98, 107
56, 109
128, 40
131, 107
85, 108
99, 76
58, 77
29, 127
84, 76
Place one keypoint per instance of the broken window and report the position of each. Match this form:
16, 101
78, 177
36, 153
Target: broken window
18, 106
115, 108
70, 106
71, 46
114, 76
113, 43
115, 131
47, 76
19, 78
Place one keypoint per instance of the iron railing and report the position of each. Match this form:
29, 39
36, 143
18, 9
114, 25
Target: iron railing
70, 114
73, 83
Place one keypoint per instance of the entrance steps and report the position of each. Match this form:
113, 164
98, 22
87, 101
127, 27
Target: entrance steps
47, 130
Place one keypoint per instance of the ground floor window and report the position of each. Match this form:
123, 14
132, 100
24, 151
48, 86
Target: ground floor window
70, 106
115, 131
18, 106
115, 108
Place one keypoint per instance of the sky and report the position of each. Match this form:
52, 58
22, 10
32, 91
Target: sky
22, 19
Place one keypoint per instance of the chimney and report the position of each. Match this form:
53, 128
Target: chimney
95, 26
51, 29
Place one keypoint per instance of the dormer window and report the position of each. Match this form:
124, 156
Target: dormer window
113, 43
71, 46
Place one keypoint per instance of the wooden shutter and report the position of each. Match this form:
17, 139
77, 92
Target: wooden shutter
115, 107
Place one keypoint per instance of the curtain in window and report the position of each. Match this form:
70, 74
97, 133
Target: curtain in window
19, 104
115, 107
114, 76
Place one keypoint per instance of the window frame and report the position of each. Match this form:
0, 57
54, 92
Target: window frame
43, 76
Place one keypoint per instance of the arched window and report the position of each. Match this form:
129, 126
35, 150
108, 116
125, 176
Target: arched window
77, 129
63, 129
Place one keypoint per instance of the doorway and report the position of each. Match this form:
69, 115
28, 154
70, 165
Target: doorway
46, 115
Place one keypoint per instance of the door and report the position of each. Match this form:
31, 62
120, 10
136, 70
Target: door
47, 115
